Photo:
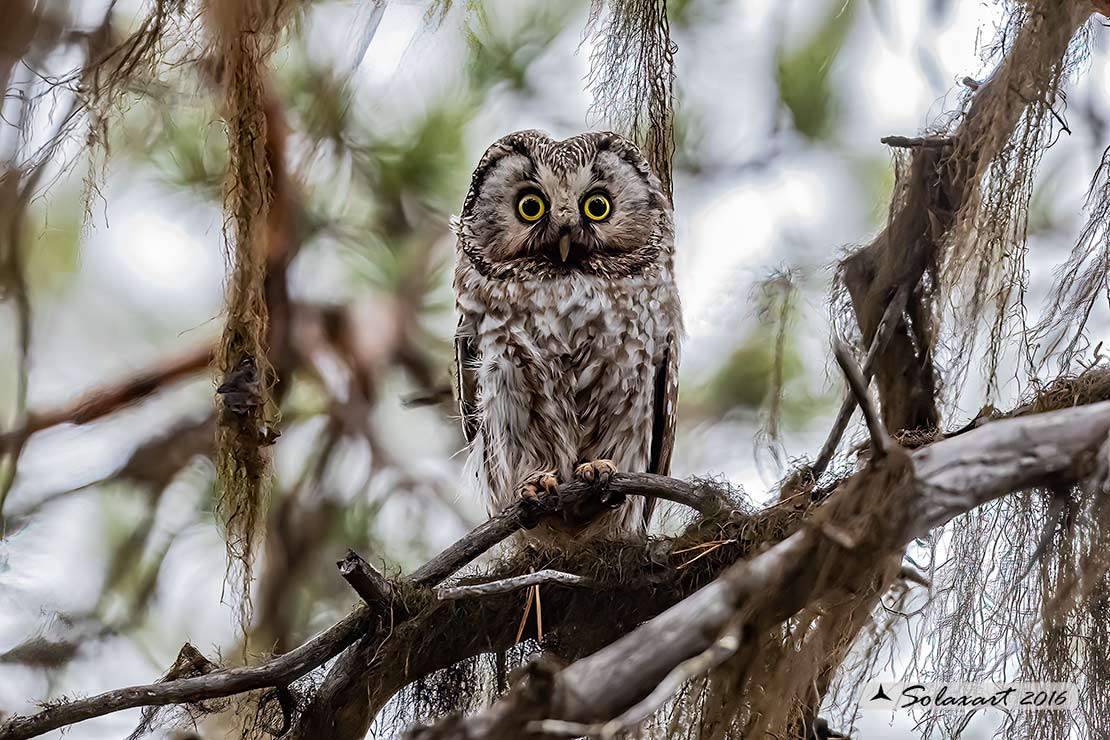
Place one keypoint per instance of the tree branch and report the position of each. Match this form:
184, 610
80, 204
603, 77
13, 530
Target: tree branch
279, 671
282, 670
505, 585
109, 398
939, 183
906, 142
706, 501
949, 478
343, 706
857, 385
952, 476
723, 648
891, 316
365, 579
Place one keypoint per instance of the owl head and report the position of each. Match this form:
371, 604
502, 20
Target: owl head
543, 208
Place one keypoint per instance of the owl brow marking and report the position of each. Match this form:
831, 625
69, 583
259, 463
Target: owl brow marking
505, 148
531, 181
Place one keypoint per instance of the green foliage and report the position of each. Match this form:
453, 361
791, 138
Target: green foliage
425, 162
802, 74
745, 377
319, 100
57, 239
186, 146
684, 14
504, 45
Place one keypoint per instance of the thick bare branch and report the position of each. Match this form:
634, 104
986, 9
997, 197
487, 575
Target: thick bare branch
721, 650
958, 474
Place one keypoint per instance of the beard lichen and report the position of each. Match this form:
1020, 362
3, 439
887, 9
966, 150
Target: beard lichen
243, 36
632, 76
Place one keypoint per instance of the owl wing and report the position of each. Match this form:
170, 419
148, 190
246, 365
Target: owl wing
664, 403
466, 381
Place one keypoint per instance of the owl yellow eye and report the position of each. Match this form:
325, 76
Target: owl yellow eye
596, 207
530, 207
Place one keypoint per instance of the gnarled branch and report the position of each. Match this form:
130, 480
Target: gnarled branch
949, 478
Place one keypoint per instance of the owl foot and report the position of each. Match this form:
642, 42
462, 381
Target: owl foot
539, 485
597, 473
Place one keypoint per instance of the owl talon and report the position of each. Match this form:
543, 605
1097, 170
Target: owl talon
532, 492
597, 473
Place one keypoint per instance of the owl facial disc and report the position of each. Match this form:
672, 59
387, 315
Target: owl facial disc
539, 208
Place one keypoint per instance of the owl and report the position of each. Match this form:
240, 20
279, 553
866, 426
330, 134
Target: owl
566, 353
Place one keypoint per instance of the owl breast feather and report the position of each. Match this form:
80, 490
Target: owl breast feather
565, 374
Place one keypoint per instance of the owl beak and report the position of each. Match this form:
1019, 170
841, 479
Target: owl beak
564, 247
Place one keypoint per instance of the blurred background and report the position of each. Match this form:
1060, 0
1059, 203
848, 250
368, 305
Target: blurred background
111, 556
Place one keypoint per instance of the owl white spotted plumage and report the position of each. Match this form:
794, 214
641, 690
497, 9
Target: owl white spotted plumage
567, 346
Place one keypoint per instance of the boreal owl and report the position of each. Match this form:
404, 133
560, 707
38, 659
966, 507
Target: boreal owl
567, 344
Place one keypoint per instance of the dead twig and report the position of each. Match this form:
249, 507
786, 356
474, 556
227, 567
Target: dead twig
918, 142
706, 549
524, 616
890, 319
504, 585
912, 575
880, 440
367, 581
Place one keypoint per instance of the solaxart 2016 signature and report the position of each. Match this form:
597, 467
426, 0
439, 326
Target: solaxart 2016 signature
964, 697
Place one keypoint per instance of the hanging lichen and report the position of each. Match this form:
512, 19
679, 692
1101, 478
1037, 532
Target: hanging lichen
243, 34
775, 299
632, 76
999, 144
